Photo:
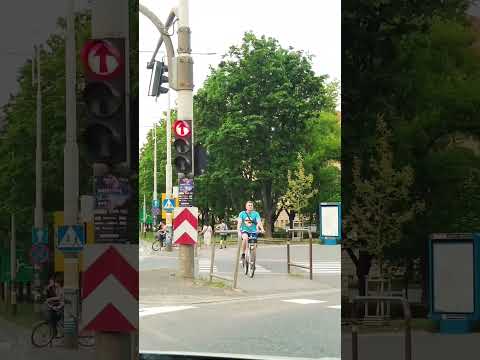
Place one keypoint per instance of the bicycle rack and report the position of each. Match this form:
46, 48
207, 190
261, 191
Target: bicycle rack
310, 240
406, 313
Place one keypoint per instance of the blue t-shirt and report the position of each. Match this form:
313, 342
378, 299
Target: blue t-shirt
249, 224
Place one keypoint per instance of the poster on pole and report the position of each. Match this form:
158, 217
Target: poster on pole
112, 195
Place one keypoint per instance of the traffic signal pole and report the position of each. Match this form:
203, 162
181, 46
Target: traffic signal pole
155, 193
38, 215
70, 179
185, 112
113, 345
168, 179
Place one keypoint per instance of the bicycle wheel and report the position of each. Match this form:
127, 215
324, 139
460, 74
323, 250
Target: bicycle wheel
42, 334
86, 340
156, 245
252, 261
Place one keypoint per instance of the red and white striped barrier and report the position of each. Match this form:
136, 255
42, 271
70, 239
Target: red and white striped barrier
110, 288
185, 222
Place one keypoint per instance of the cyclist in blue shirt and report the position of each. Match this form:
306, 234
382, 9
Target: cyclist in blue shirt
249, 221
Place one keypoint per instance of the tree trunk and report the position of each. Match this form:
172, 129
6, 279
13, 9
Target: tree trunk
291, 217
268, 208
363, 268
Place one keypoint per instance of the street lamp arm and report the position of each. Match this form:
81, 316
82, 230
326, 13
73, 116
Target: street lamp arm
170, 19
161, 29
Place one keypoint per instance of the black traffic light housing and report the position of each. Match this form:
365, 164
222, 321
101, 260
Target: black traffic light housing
157, 78
105, 128
201, 160
183, 147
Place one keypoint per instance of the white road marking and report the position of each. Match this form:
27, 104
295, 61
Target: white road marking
335, 307
305, 301
162, 309
322, 267
204, 266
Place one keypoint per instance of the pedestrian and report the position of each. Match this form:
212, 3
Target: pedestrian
55, 303
161, 233
207, 232
222, 230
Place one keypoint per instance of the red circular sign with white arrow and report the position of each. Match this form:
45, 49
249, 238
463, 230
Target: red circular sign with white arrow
102, 58
181, 128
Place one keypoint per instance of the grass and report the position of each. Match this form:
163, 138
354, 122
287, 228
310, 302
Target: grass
25, 316
215, 283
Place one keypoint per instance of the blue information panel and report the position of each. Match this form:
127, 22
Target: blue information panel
454, 281
330, 223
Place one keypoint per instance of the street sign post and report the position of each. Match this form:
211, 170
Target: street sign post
39, 236
71, 238
103, 58
168, 205
182, 128
39, 254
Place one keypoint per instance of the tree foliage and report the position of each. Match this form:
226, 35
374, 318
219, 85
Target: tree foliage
252, 115
382, 203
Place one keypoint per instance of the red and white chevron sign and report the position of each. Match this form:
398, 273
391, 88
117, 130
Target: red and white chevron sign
110, 288
185, 222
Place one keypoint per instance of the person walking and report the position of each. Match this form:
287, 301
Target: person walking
207, 233
222, 230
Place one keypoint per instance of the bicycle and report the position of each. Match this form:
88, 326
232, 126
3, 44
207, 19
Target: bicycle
158, 242
248, 263
43, 333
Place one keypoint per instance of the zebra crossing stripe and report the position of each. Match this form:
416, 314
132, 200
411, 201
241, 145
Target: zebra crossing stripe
204, 266
323, 267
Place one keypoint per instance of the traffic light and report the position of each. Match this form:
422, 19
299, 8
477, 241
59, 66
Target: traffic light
201, 160
104, 96
183, 147
158, 78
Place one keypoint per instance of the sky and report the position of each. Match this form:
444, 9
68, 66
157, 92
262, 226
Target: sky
20, 30
310, 25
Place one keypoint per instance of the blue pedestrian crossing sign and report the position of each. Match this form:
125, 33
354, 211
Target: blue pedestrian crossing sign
156, 203
39, 236
71, 238
168, 205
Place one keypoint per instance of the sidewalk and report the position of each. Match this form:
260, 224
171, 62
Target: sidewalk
15, 345
425, 345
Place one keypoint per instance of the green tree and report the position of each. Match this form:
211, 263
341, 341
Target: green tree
252, 114
381, 204
299, 190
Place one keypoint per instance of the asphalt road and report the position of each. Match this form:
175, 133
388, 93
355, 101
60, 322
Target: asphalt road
275, 314
282, 326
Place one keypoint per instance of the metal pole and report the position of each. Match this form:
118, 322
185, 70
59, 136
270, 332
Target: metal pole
310, 253
288, 254
354, 342
185, 108
212, 258
144, 230
13, 265
38, 217
70, 198
237, 262
155, 194
112, 345
169, 184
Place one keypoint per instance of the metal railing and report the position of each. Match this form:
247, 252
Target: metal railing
406, 314
310, 251
212, 262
